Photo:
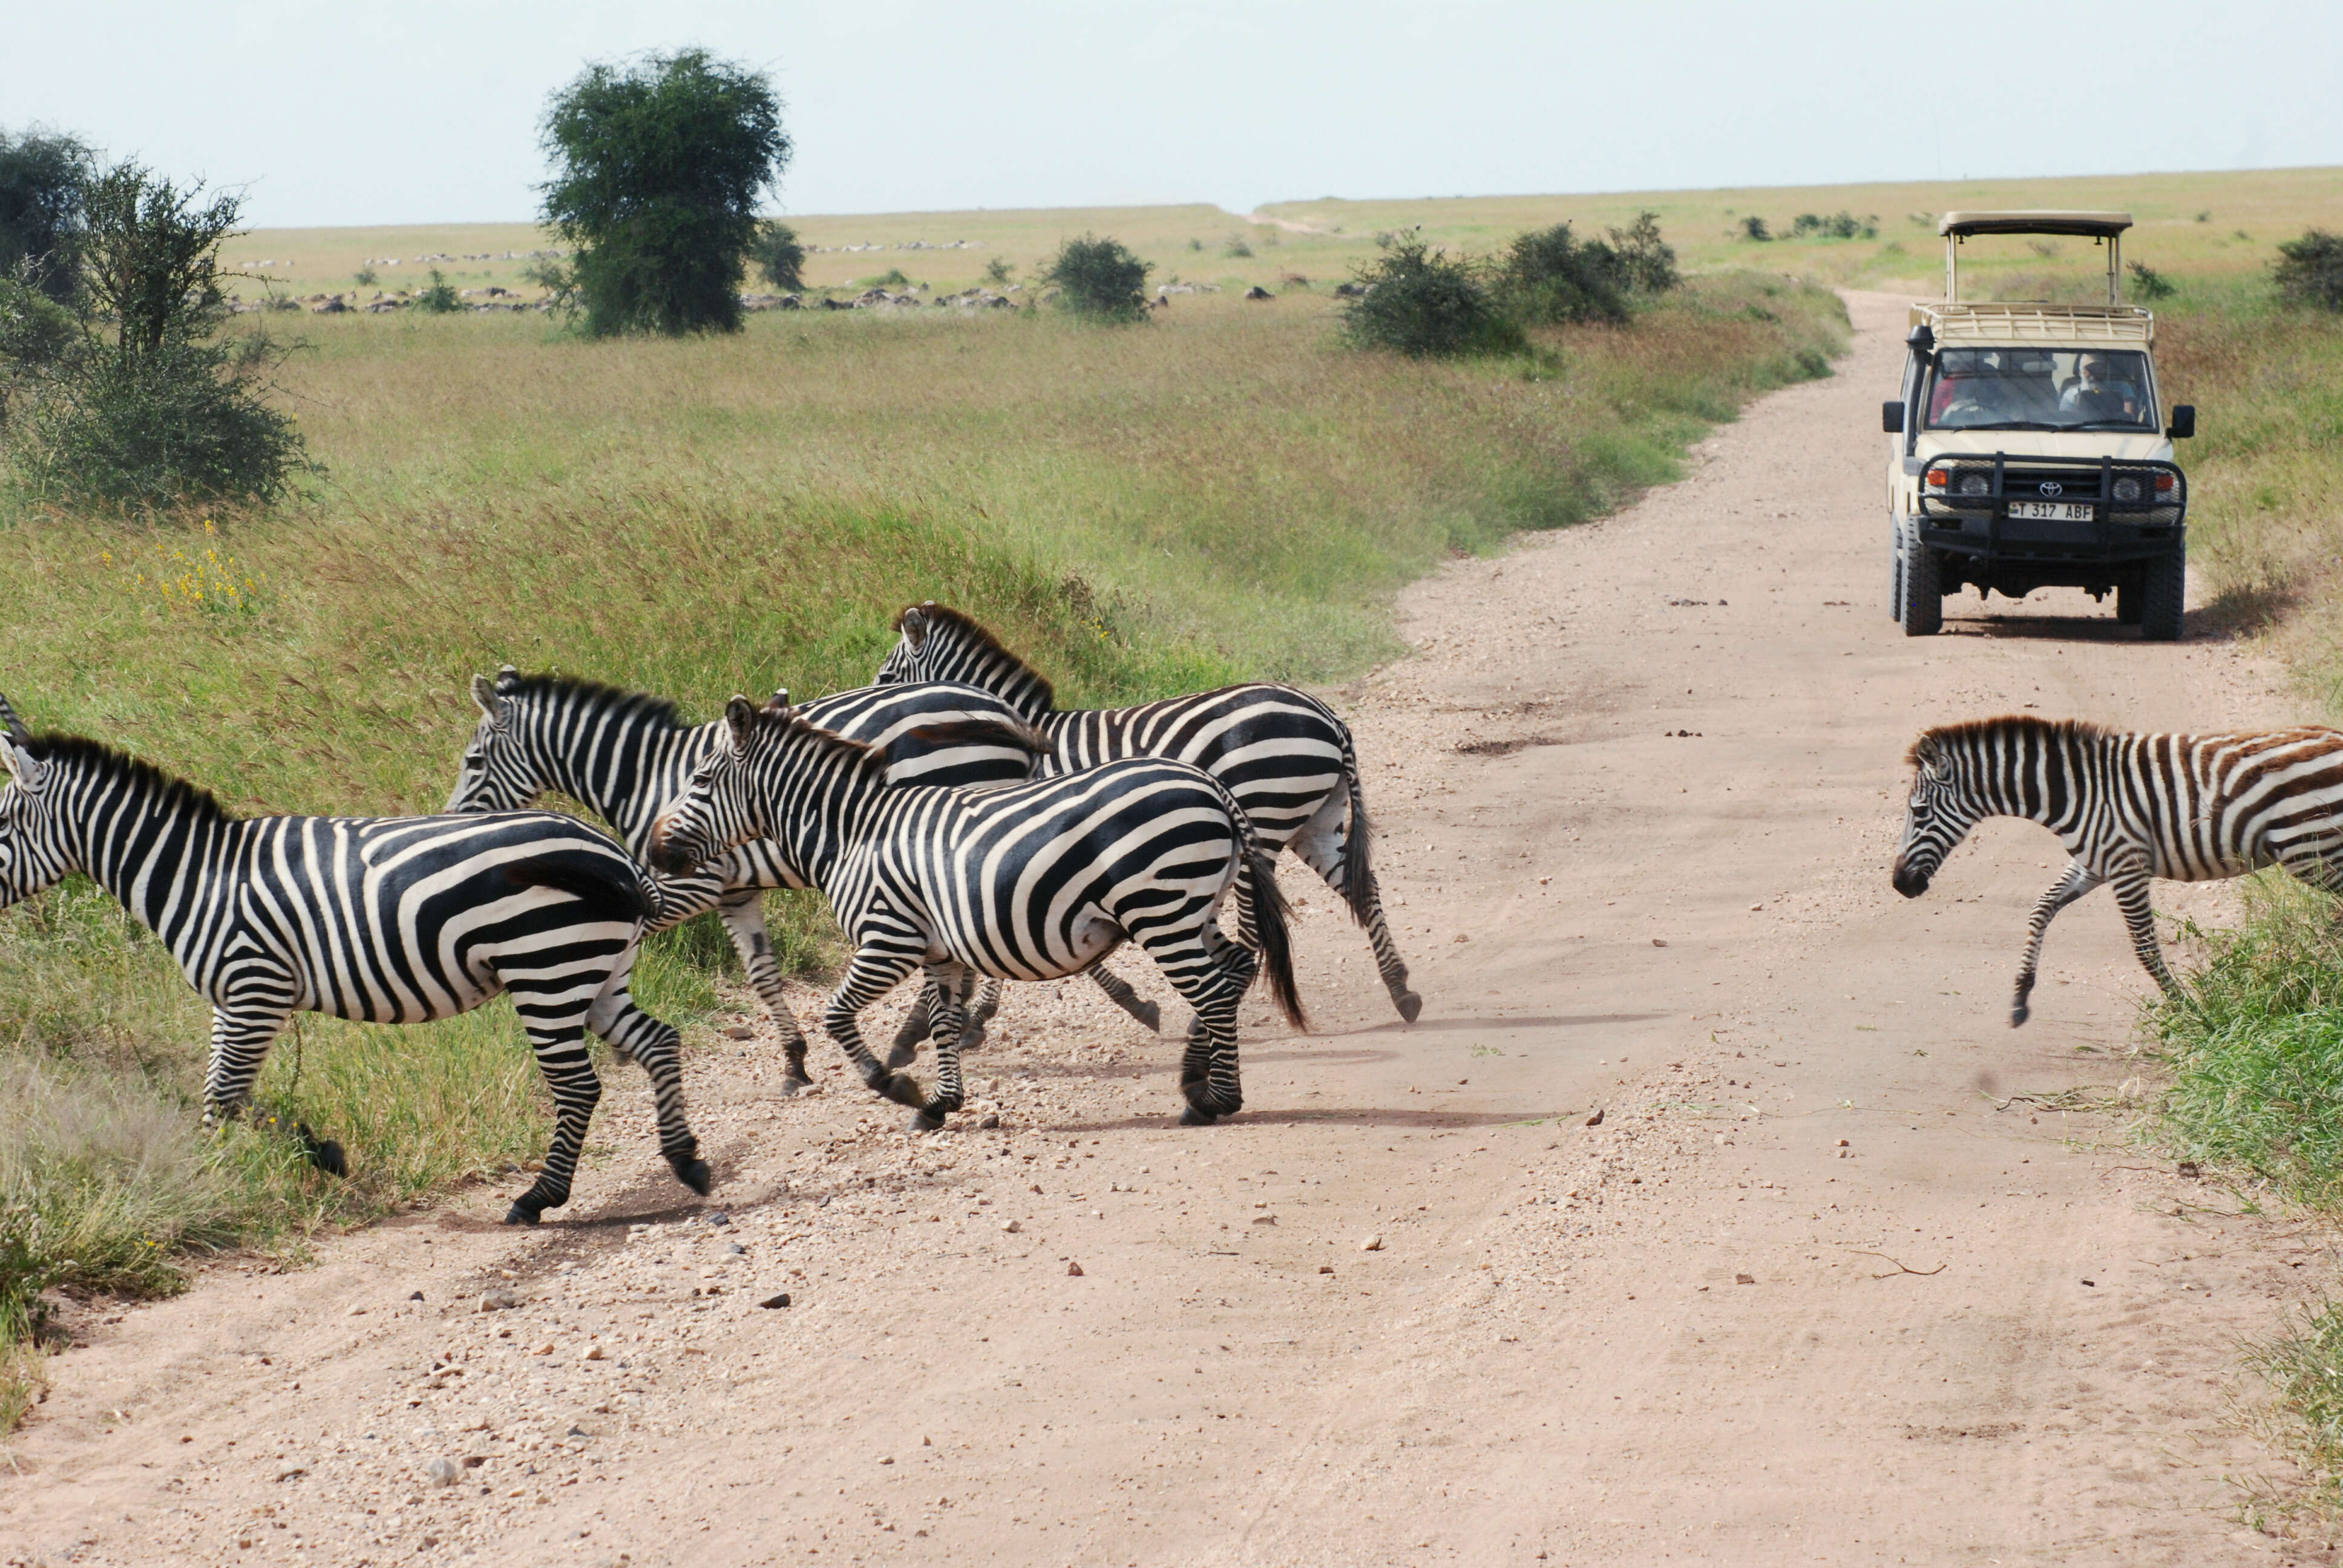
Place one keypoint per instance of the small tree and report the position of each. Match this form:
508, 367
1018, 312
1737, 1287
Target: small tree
659, 169
1648, 261
140, 404
441, 297
42, 179
997, 271
2309, 270
1426, 304
1100, 278
1754, 228
779, 257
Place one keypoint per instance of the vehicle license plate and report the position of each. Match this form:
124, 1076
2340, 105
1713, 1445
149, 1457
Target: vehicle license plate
2054, 511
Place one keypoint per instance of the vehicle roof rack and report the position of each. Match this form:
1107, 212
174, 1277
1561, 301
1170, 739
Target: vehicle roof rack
2046, 220
2102, 228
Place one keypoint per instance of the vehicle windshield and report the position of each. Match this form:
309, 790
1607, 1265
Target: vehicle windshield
2039, 389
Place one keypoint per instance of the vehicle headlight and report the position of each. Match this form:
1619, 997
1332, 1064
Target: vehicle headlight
2127, 488
1975, 485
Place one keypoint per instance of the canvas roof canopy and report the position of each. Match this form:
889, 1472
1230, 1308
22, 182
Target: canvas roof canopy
2094, 224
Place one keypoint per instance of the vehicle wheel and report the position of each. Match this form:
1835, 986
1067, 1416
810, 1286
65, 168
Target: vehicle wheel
1924, 602
2128, 598
2162, 595
1895, 571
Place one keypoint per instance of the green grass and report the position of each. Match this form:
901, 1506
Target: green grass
1223, 492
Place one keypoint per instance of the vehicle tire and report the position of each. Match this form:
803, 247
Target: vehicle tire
2162, 596
2127, 597
1895, 571
1924, 602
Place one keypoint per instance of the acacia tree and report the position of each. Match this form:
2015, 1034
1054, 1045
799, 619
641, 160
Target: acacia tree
780, 255
659, 170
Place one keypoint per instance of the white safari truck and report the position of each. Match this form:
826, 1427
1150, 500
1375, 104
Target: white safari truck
2030, 449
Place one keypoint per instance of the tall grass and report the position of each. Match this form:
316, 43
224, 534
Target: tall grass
1227, 494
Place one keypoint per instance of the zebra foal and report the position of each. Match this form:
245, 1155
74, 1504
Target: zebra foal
1021, 881
2128, 807
385, 920
1285, 756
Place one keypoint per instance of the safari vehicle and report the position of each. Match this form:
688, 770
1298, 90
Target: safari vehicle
2029, 450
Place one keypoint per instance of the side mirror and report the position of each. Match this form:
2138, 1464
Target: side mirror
2184, 421
1891, 418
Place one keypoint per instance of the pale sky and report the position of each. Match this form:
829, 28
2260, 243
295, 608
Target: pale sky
425, 111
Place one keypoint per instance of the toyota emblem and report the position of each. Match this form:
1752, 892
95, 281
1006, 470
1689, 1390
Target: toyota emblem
2052, 486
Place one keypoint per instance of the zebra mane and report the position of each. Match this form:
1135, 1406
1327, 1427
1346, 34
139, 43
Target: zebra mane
1932, 744
781, 725
975, 631
614, 700
169, 789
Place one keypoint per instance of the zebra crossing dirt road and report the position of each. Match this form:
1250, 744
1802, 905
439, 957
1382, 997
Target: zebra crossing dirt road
1847, 1271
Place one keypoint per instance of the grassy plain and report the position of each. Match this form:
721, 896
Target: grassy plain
1223, 491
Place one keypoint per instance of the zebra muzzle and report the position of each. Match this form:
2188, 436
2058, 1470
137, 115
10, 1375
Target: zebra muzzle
1908, 879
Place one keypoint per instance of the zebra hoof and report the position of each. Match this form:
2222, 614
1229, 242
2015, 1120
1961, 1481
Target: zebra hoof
902, 1091
972, 1037
325, 1153
2018, 1013
1409, 1005
1197, 1116
793, 1084
524, 1212
922, 1122
694, 1173
902, 1055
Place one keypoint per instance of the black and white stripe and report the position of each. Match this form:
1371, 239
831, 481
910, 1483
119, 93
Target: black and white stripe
2128, 807
1022, 881
387, 920
625, 754
1284, 755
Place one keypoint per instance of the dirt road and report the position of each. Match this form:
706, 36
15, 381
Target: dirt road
1845, 1273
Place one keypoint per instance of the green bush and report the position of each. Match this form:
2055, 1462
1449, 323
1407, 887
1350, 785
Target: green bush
1839, 226
1098, 278
657, 172
365, 277
1549, 277
2309, 270
2147, 283
779, 257
136, 402
1646, 261
1426, 304
1235, 248
439, 299
997, 271
1754, 228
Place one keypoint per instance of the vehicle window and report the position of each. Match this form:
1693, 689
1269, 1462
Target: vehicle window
2040, 390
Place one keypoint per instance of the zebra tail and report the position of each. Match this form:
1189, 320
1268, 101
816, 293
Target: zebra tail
1263, 911
1358, 861
593, 882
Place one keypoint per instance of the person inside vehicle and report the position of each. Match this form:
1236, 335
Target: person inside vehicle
2097, 395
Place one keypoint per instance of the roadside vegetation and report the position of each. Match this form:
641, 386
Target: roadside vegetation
2255, 1047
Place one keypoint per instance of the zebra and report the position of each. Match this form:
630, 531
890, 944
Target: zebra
2129, 807
625, 753
1285, 756
1022, 881
383, 920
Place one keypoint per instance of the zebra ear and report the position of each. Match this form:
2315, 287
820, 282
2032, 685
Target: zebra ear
914, 622
22, 765
484, 698
17, 734
740, 718
780, 702
508, 679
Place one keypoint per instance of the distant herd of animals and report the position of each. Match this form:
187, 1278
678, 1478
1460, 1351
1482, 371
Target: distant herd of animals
966, 830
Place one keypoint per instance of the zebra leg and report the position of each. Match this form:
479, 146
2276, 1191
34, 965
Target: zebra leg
918, 1024
659, 1048
743, 914
2131, 886
1205, 972
242, 1032
1118, 991
560, 1047
1323, 845
948, 984
875, 971
2080, 879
